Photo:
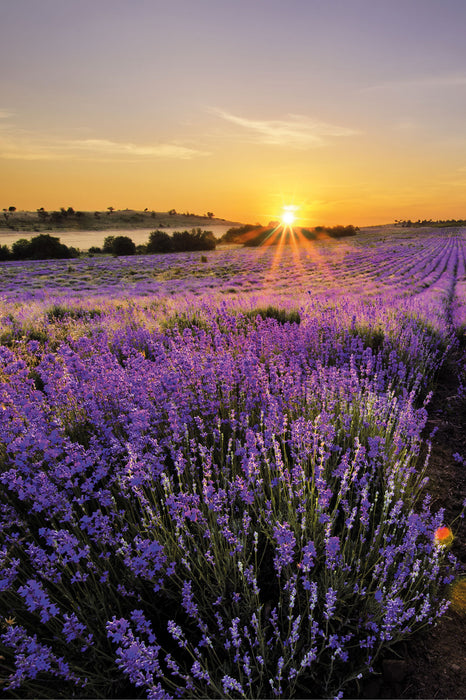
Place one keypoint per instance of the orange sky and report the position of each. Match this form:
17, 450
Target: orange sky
353, 112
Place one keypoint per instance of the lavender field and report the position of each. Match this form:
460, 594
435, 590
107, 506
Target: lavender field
213, 467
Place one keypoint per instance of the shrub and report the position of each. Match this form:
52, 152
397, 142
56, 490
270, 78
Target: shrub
159, 242
59, 312
20, 249
180, 241
41, 247
236, 234
108, 244
123, 245
196, 239
262, 237
280, 315
4, 252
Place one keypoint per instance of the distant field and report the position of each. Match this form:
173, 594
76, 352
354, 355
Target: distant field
419, 269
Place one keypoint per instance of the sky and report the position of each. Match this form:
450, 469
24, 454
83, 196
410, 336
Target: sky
352, 111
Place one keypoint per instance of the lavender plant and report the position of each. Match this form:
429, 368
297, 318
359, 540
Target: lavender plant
223, 509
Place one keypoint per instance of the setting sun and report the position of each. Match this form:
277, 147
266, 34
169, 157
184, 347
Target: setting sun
288, 216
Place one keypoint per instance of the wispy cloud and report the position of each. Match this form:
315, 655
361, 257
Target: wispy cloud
428, 81
296, 131
22, 145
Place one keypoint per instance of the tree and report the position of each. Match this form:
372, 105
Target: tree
123, 245
159, 242
210, 214
110, 209
196, 239
20, 249
41, 247
108, 244
11, 209
4, 252
56, 217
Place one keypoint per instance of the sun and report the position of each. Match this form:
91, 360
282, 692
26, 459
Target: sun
288, 215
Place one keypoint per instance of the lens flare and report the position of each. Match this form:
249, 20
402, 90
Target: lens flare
443, 535
288, 215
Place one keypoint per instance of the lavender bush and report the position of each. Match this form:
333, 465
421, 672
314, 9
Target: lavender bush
221, 502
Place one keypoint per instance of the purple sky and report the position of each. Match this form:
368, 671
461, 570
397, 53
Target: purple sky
352, 110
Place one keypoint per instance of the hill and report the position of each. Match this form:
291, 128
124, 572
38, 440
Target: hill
67, 219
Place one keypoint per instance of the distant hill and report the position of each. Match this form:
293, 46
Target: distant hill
67, 219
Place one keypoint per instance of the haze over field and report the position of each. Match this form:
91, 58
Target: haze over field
351, 111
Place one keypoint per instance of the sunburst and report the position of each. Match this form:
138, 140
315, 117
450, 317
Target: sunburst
288, 215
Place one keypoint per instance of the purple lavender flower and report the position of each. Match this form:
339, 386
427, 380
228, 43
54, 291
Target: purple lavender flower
286, 542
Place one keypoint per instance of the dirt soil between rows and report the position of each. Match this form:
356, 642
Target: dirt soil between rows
432, 663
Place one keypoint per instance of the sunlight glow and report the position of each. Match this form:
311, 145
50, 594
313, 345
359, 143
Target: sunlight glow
288, 216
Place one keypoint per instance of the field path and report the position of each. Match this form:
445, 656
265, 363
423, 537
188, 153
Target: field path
439, 658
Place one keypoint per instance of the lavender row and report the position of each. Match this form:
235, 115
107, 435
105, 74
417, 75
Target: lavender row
427, 270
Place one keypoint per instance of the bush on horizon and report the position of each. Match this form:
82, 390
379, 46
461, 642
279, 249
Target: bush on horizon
39, 247
180, 241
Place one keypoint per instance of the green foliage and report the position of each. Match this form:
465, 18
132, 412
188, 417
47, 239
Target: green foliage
58, 312
4, 252
108, 244
196, 239
20, 249
372, 337
262, 237
235, 235
311, 235
119, 245
280, 315
159, 242
337, 231
183, 320
123, 245
180, 241
41, 247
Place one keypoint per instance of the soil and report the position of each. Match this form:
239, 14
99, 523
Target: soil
432, 664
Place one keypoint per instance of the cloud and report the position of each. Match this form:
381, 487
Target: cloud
21, 145
297, 131
118, 148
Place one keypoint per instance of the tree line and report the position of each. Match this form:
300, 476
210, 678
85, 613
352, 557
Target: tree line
41, 247
44, 246
159, 242
252, 235
407, 223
